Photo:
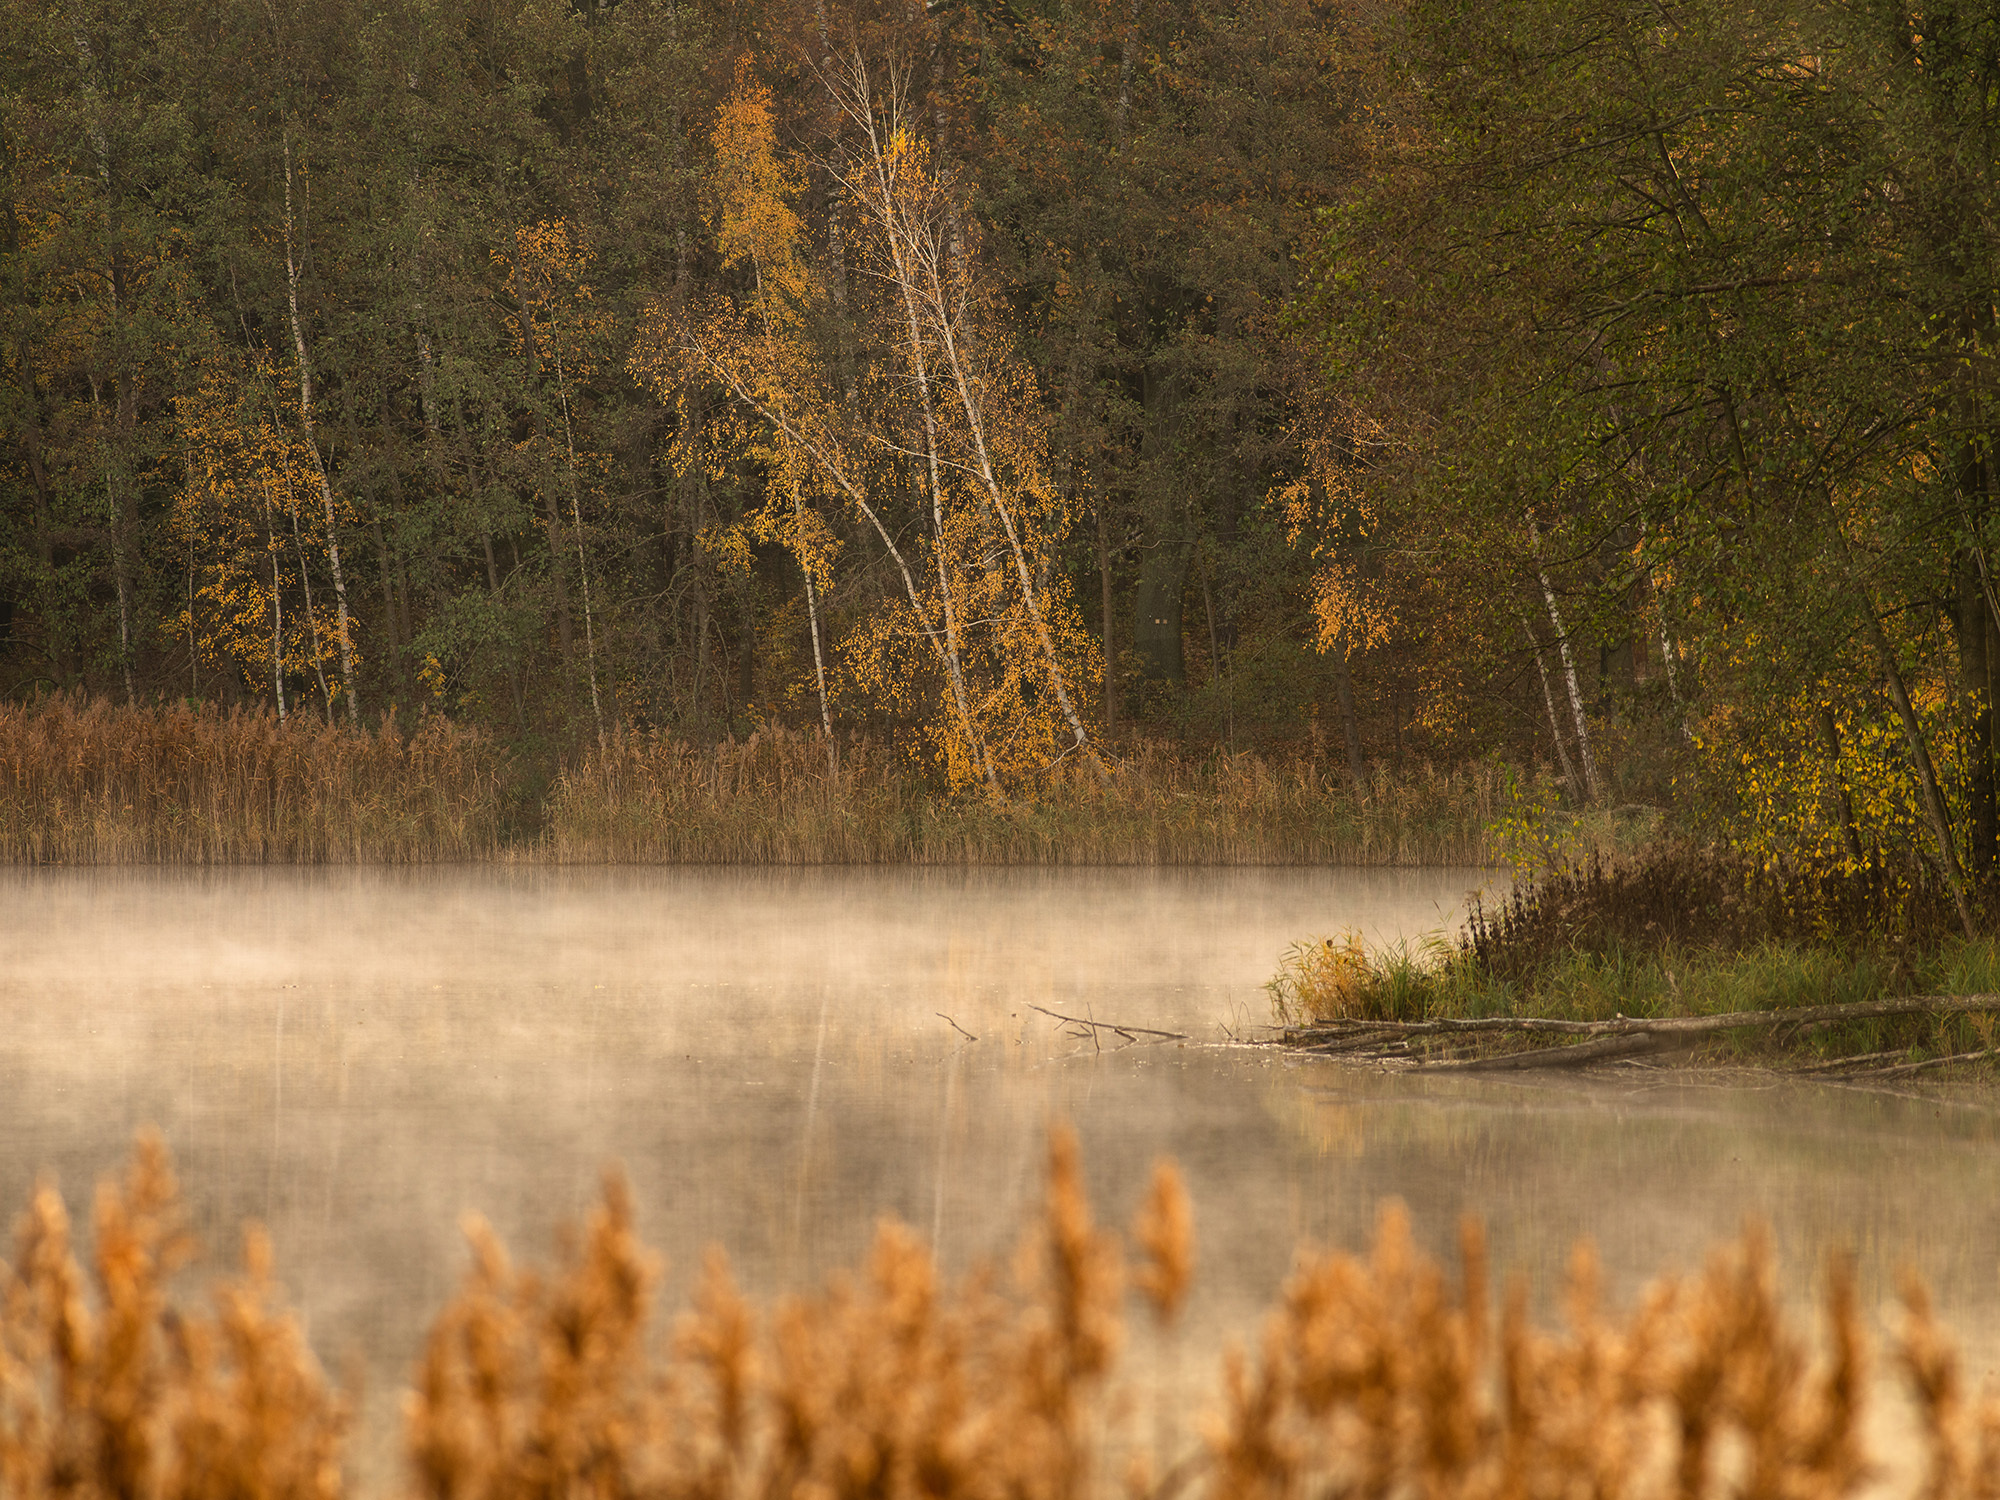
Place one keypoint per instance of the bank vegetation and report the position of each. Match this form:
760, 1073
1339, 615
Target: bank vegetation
1679, 952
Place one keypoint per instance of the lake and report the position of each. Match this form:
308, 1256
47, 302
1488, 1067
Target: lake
780, 1058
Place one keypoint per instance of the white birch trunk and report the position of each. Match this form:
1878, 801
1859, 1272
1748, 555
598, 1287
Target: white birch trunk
1590, 781
1549, 699
829, 465
277, 610
919, 270
319, 465
885, 209
819, 661
582, 564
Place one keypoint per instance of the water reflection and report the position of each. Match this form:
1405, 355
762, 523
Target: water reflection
778, 1058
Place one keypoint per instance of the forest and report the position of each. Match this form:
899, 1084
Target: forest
1598, 392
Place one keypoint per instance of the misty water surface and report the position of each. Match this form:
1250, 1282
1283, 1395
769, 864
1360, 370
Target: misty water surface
359, 1058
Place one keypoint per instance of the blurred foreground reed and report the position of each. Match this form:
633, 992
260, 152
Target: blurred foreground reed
773, 799
90, 783
1376, 1378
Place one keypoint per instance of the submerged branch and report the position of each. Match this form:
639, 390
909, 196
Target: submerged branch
1130, 1033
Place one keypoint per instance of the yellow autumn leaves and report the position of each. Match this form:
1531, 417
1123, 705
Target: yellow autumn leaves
254, 534
875, 391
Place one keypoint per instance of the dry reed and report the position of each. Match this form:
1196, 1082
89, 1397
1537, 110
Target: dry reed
90, 783
772, 799
118, 1396
1376, 1378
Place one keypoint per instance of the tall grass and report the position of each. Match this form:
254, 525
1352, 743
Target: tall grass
1378, 1378
90, 783
773, 799
97, 784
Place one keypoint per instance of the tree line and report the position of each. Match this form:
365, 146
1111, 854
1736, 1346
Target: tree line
570, 366
1679, 319
1592, 382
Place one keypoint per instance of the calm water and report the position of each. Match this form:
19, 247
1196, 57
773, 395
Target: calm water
359, 1058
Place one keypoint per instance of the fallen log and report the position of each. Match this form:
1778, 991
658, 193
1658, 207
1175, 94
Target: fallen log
1642, 1033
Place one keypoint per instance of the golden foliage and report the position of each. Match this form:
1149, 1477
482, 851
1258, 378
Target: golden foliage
1327, 511
250, 518
751, 187
558, 320
980, 643
1374, 1376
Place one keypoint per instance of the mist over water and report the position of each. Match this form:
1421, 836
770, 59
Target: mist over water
360, 1058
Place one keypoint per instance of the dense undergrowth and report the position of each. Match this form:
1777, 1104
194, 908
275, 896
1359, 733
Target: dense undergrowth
1678, 930
1373, 1377
97, 784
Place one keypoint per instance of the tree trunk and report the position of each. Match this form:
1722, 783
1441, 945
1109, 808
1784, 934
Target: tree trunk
1110, 614
343, 623
1592, 788
1555, 719
1913, 730
1350, 722
582, 562
277, 609
565, 623
1156, 610
312, 617
886, 208
1850, 835
1977, 710
1920, 756
812, 620
1218, 673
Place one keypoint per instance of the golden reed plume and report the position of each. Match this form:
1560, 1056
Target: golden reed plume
1376, 1378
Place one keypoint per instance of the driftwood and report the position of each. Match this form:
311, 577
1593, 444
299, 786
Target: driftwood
1623, 1036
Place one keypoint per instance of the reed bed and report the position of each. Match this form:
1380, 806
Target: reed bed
91, 783
1379, 1377
774, 799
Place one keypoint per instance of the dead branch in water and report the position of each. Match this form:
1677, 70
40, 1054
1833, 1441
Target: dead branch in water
1922, 1064
1621, 1037
1092, 1028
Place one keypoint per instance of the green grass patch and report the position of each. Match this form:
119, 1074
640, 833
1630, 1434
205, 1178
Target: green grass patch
1436, 978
